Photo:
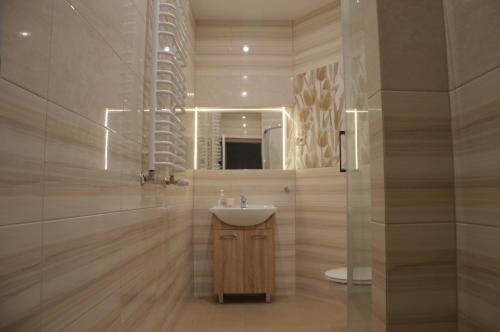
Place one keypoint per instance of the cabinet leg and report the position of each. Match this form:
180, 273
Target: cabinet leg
220, 298
268, 297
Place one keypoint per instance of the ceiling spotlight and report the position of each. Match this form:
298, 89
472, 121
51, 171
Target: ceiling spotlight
244, 125
246, 49
244, 94
24, 34
167, 49
245, 77
244, 117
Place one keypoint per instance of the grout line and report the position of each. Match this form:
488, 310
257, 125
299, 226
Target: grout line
413, 223
44, 168
415, 91
50, 220
471, 80
465, 223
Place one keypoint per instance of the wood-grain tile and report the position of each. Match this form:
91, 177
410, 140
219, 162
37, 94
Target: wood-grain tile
82, 170
321, 229
81, 265
20, 277
22, 136
473, 48
476, 129
317, 39
412, 32
478, 277
421, 277
418, 161
85, 72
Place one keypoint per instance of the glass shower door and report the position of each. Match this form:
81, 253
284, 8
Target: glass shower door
358, 168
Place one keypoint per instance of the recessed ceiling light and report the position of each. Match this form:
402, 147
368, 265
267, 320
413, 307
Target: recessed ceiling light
244, 125
244, 117
246, 49
25, 34
244, 94
245, 77
167, 49
190, 94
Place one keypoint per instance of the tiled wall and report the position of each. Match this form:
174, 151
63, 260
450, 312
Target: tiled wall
317, 39
474, 66
82, 245
318, 112
412, 169
223, 70
321, 230
260, 187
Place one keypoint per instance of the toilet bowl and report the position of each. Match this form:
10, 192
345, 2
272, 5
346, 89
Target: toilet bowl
362, 275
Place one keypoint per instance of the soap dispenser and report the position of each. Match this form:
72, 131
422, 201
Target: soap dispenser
222, 199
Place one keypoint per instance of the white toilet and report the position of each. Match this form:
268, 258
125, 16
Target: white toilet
362, 275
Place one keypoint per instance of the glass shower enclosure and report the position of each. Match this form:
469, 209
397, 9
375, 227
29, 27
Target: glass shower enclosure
359, 298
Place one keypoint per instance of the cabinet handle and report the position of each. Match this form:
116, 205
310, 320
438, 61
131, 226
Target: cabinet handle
259, 237
229, 237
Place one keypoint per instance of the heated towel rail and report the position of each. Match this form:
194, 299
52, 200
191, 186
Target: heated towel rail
166, 144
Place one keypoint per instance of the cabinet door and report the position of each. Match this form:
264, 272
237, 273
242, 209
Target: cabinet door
259, 261
228, 261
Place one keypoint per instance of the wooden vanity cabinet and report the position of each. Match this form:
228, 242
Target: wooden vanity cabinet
243, 259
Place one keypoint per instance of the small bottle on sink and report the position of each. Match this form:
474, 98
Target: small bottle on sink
222, 199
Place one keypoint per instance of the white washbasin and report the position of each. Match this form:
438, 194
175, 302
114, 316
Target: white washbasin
249, 216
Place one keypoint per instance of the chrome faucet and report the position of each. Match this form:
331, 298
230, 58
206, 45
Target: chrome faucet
243, 202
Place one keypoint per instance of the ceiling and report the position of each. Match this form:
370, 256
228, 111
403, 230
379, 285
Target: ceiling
285, 10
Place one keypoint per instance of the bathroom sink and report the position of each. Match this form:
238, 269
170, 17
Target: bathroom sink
249, 216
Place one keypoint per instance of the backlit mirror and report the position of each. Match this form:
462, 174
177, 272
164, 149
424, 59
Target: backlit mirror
239, 138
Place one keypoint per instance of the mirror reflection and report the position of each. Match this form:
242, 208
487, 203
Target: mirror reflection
239, 139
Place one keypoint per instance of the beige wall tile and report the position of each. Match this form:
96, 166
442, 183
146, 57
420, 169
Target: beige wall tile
81, 260
317, 39
418, 157
25, 57
121, 24
20, 277
86, 74
476, 129
221, 64
22, 135
421, 277
105, 316
133, 195
77, 181
412, 45
321, 229
473, 47
478, 277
